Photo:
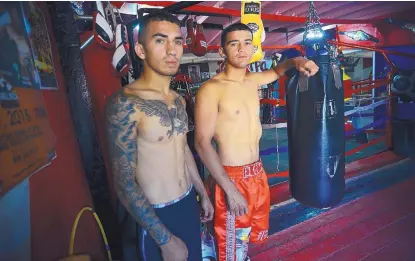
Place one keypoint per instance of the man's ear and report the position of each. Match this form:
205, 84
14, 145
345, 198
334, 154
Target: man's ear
222, 52
139, 50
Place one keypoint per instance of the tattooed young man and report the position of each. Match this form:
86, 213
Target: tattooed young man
154, 170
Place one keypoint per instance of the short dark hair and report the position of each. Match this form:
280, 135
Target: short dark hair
155, 17
233, 28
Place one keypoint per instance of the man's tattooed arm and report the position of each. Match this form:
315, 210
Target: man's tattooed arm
122, 137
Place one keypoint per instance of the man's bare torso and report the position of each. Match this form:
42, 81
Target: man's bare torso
162, 127
238, 127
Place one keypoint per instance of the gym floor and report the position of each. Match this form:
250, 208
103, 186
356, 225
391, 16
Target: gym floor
373, 222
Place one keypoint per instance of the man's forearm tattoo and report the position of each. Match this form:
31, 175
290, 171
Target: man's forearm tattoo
122, 137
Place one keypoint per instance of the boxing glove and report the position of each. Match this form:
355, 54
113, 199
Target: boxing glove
120, 59
251, 16
200, 46
103, 33
258, 55
190, 38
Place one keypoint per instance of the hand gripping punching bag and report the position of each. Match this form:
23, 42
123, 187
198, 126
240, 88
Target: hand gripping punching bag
316, 136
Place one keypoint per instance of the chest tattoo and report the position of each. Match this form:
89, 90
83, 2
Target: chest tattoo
174, 118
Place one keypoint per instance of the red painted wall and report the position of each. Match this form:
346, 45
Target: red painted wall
60, 191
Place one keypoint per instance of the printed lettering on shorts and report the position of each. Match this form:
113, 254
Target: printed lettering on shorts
262, 235
230, 235
252, 170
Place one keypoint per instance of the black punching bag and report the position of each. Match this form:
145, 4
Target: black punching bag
316, 135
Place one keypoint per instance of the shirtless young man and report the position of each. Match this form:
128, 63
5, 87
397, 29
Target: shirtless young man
227, 109
154, 171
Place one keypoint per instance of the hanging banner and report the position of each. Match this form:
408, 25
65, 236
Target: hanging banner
27, 142
40, 43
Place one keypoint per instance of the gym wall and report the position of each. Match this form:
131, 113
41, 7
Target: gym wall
56, 193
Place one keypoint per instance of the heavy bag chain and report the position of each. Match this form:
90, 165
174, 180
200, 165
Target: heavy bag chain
314, 35
313, 25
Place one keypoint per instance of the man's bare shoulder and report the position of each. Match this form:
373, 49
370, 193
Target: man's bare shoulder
250, 75
251, 79
208, 90
213, 86
122, 104
131, 94
220, 81
116, 98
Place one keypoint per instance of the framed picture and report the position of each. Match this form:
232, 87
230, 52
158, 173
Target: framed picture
194, 73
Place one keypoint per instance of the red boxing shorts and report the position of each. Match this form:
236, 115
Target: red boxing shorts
234, 233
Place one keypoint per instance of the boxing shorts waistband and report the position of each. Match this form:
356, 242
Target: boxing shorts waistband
163, 205
246, 171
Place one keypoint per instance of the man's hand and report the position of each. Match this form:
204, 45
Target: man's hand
174, 250
207, 209
306, 67
237, 204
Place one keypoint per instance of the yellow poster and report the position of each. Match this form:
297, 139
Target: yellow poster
27, 142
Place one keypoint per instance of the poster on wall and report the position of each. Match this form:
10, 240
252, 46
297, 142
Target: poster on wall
27, 143
194, 73
40, 44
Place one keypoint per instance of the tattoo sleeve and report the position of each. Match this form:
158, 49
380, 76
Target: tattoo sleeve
122, 138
